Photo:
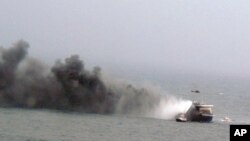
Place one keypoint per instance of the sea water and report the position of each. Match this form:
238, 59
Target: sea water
44, 125
230, 98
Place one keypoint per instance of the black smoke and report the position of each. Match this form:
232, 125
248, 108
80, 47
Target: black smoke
68, 86
26, 83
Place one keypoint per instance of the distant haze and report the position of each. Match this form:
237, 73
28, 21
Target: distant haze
194, 36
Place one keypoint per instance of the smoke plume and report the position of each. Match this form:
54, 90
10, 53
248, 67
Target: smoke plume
25, 82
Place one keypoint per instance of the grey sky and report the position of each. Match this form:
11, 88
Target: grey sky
200, 36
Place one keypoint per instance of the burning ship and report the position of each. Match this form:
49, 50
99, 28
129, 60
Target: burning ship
197, 112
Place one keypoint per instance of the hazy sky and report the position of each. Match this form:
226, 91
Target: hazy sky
199, 36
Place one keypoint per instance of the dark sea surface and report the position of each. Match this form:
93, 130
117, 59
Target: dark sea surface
42, 125
230, 98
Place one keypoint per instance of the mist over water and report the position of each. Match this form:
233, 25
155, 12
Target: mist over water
25, 82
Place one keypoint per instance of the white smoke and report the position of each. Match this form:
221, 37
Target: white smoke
147, 100
171, 107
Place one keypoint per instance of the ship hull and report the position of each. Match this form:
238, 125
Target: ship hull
203, 118
194, 113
